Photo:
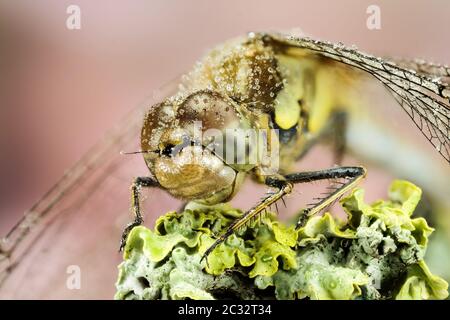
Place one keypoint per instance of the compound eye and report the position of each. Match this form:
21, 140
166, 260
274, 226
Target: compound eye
167, 151
158, 120
209, 107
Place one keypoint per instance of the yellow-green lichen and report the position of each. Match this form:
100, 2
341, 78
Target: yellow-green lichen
377, 254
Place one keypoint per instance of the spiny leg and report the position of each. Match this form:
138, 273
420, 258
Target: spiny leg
353, 174
284, 187
136, 186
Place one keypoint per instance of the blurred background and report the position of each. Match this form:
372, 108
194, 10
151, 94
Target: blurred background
61, 89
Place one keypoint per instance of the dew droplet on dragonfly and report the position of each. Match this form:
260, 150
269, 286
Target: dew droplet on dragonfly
338, 45
436, 80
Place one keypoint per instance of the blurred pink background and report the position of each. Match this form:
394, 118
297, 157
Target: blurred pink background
62, 89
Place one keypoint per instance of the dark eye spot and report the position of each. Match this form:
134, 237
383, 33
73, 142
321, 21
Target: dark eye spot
167, 151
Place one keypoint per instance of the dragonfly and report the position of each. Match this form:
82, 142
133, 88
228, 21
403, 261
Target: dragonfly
297, 87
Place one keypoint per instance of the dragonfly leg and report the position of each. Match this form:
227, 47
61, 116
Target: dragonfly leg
352, 175
136, 187
182, 206
333, 134
338, 130
284, 187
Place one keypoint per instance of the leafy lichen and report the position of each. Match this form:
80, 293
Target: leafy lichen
377, 254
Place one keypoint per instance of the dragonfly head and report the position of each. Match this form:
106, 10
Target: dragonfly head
176, 135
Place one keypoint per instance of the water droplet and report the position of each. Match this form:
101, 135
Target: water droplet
266, 258
436, 80
338, 45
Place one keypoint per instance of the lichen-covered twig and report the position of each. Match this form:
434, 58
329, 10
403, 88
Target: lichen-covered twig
376, 254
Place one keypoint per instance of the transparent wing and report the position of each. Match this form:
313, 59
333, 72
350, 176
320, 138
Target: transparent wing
425, 68
422, 89
82, 216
